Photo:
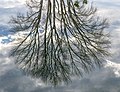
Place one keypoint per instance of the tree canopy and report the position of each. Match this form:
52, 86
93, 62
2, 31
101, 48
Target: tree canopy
65, 39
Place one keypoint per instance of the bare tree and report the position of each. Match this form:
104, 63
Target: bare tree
65, 39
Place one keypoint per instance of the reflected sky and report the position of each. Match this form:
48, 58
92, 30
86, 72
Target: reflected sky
107, 79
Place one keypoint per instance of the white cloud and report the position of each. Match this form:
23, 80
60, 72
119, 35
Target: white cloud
113, 66
106, 79
11, 3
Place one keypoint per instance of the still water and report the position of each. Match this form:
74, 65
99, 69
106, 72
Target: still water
106, 79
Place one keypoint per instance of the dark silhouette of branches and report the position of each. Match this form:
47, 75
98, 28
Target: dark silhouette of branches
66, 38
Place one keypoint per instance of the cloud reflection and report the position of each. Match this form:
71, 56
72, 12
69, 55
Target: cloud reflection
107, 79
